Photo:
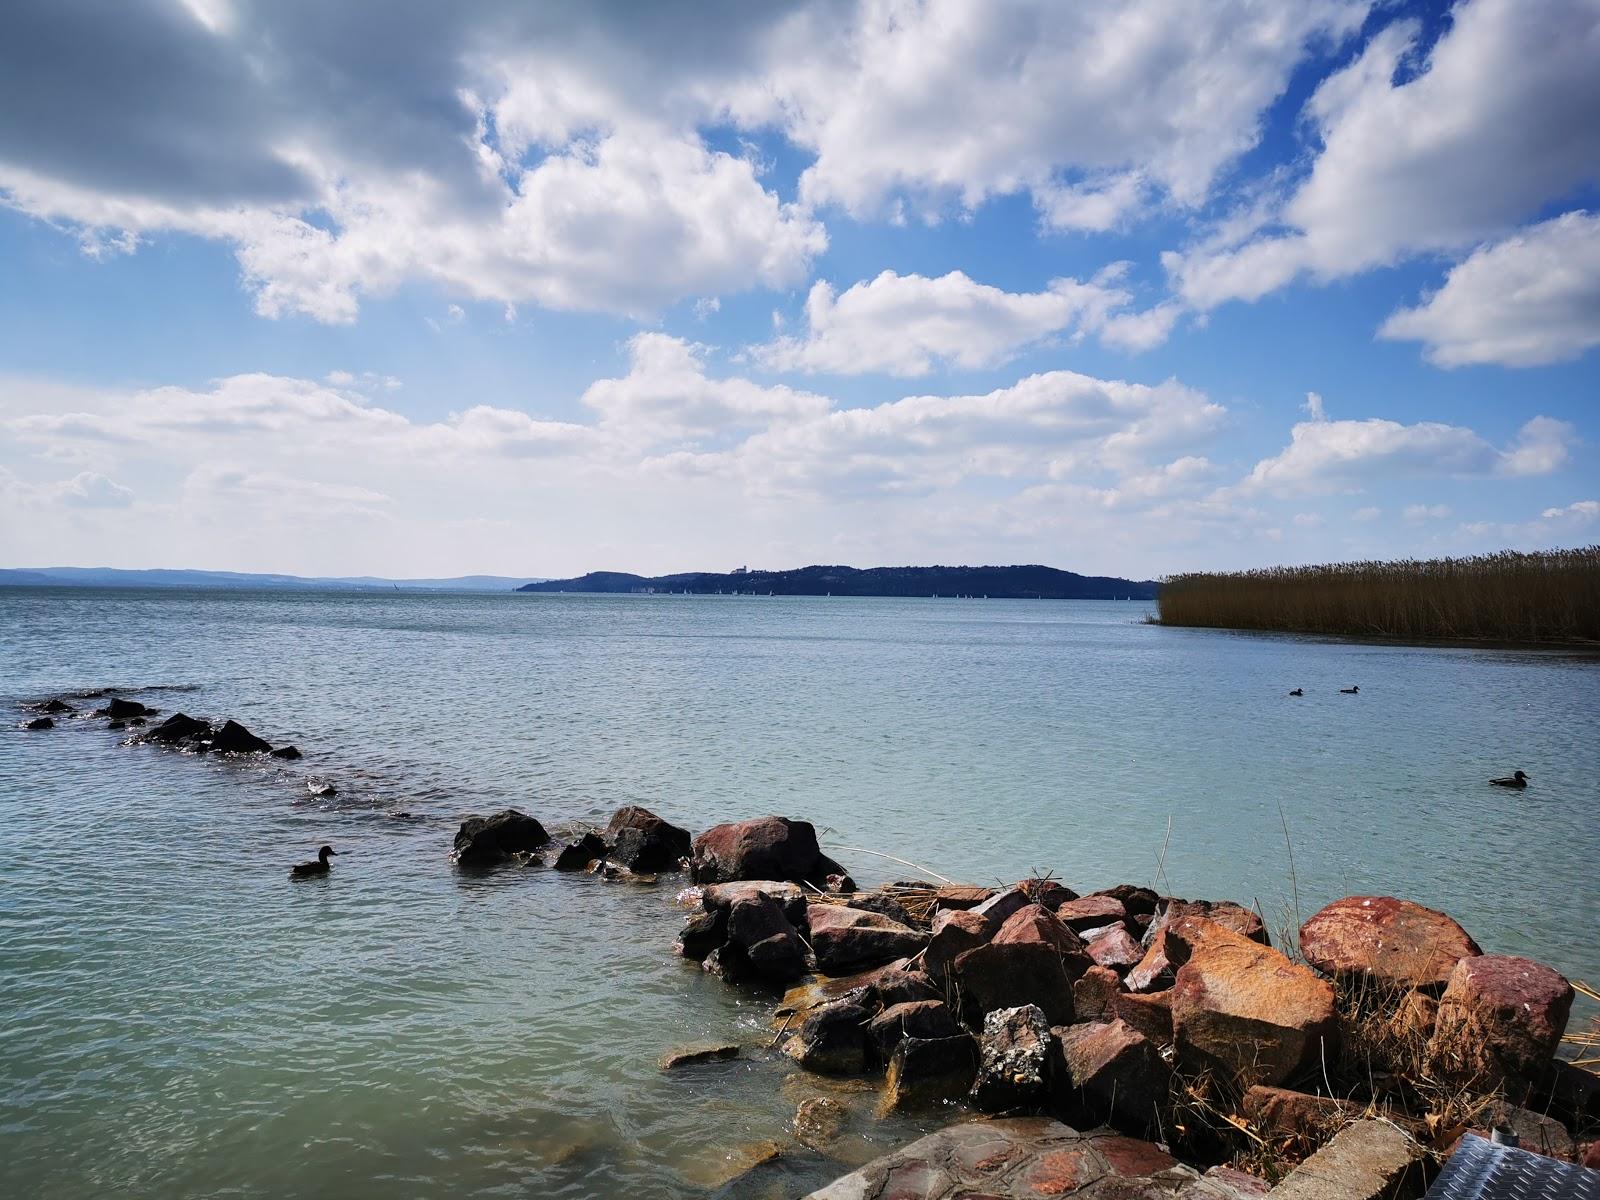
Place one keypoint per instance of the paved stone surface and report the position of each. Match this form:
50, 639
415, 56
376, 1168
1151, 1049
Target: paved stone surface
1023, 1158
1370, 1160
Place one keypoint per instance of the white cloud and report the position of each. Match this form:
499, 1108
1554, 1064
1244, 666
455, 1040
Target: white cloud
1579, 510
907, 324
1368, 513
1527, 301
1418, 513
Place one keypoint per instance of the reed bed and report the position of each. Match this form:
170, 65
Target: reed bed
1550, 596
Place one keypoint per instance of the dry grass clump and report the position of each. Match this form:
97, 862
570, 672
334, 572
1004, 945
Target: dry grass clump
1544, 596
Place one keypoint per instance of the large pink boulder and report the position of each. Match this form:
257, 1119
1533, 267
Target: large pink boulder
1244, 1008
763, 848
1154, 971
1500, 1022
1394, 943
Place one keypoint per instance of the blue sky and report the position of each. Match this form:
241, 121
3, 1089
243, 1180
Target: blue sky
1128, 288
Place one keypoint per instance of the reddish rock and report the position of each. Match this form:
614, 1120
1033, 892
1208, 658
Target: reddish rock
1111, 1071
768, 943
1281, 1113
953, 897
1091, 912
1139, 901
914, 1018
1591, 1156
1500, 1022
1414, 1017
1156, 970
955, 931
642, 841
899, 983
1394, 943
722, 896
1031, 960
924, 1072
1150, 1014
1014, 1060
1115, 949
1093, 992
763, 848
1538, 1132
1000, 907
1047, 892
853, 939
1245, 1008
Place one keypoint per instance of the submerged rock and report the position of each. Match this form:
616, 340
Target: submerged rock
1500, 1022
180, 729
763, 848
40, 723
56, 706
289, 753
642, 841
1394, 943
119, 709
833, 1039
924, 1072
234, 738
485, 841
819, 1121
704, 1052
580, 852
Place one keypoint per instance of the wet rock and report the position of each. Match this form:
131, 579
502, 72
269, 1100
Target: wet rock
731, 1171
56, 707
484, 841
116, 725
1394, 943
852, 939
924, 1072
178, 730
911, 1018
1281, 1113
1246, 1009
833, 1039
322, 789
899, 983
759, 931
1032, 959
877, 989
1116, 949
1500, 1022
1092, 993
1109, 1071
1013, 1060
580, 852
40, 723
956, 898
119, 709
790, 897
763, 848
641, 841
234, 738
703, 1052
955, 931
1156, 970
288, 753
1370, 1160
819, 1121
1091, 912
1150, 1013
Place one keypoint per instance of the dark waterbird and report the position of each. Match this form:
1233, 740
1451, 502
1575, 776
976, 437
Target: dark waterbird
1298, 692
1350, 691
312, 869
1518, 780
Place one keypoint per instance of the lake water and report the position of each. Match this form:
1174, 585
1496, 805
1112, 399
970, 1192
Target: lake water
177, 1019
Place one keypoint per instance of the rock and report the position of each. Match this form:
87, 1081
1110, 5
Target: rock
289, 753
702, 933
1000, 907
580, 852
1149, 1013
120, 710
1113, 1072
924, 1072
1032, 959
763, 936
1529, 1130
1013, 1060
1091, 912
1092, 993
56, 707
955, 931
40, 723
1021, 1157
833, 1039
899, 983
877, 989
1591, 1156
703, 1052
791, 898
484, 841
1047, 893
179, 729
234, 738
1115, 949
912, 1018
819, 1121
1226, 1183
728, 1172
852, 939
116, 724
642, 841
1243, 1007
1394, 943
322, 789
1414, 1017
1139, 901
1155, 971
764, 848
1281, 1113
1370, 1160
1500, 1022
955, 898
884, 906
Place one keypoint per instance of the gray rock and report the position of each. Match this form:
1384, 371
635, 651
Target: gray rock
1014, 1060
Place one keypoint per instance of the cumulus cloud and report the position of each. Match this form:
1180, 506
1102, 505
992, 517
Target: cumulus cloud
908, 324
1526, 301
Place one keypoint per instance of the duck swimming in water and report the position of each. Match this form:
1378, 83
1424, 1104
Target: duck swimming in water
1298, 692
1350, 691
1519, 780
312, 869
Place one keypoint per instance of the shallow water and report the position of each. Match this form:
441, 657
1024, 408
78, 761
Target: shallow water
177, 1019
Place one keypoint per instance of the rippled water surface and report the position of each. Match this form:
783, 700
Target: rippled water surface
177, 1019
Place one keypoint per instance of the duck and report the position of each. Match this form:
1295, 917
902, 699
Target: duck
1298, 692
310, 870
1517, 780
1350, 691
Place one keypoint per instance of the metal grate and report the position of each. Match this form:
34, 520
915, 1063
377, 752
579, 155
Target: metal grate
1485, 1170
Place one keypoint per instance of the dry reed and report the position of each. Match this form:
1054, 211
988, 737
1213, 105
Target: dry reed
1545, 596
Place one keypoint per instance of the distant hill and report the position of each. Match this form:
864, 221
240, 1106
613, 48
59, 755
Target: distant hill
997, 583
114, 577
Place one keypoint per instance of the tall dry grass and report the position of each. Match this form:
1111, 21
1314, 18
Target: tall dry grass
1545, 596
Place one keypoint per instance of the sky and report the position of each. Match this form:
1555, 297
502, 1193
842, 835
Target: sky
1132, 288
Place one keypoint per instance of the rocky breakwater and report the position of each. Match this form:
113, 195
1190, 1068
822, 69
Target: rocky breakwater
1156, 1017
636, 845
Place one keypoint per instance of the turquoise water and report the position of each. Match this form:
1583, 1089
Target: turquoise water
177, 1019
